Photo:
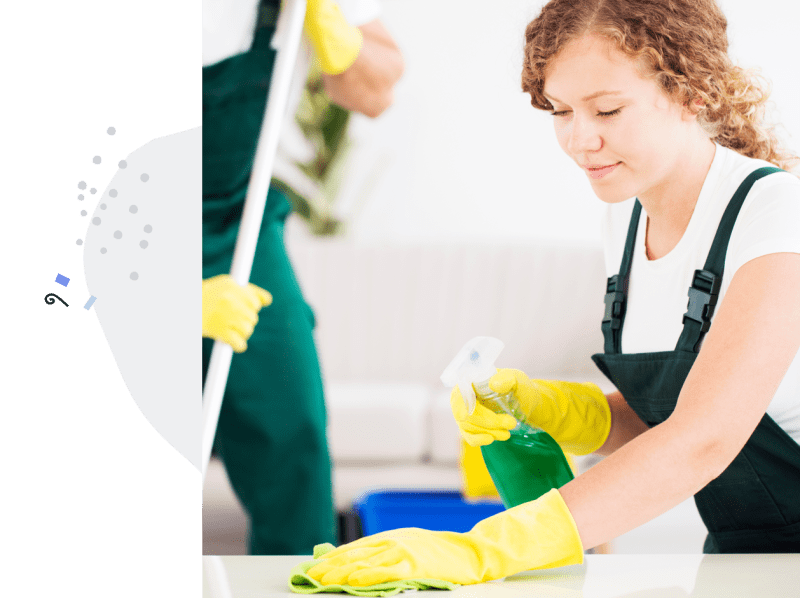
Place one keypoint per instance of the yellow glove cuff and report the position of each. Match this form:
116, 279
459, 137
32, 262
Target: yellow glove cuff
335, 41
540, 534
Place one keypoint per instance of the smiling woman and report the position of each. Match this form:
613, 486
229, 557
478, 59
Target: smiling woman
646, 101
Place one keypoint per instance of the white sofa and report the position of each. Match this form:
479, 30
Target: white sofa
389, 320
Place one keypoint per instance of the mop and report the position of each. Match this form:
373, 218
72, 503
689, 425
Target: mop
287, 39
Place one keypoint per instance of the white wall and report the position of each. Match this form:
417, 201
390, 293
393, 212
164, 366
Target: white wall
463, 154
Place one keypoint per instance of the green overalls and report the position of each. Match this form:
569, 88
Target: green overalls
754, 505
271, 431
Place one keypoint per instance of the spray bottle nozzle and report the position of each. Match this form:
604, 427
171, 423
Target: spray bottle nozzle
474, 363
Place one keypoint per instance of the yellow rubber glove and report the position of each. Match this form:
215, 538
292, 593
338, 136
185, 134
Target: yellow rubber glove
230, 311
335, 41
536, 535
576, 415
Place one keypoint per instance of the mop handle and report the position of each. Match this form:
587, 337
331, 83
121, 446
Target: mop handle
217, 377
216, 577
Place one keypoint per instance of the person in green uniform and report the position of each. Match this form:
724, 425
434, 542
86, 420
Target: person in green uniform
702, 328
271, 430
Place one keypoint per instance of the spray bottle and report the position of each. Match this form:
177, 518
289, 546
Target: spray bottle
528, 464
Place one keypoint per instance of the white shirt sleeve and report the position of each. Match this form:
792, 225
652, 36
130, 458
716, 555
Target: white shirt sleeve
769, 221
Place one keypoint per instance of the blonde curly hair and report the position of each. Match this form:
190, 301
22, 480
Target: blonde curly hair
683, 45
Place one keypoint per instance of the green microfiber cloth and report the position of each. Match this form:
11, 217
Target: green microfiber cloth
302, 584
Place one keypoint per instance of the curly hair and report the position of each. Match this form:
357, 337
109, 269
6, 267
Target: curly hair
683, 45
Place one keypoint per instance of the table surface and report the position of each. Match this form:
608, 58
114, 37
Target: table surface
601, 576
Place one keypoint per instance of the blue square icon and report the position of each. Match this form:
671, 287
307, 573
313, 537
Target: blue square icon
62, 280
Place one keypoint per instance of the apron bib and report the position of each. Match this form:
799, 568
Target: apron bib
754, 505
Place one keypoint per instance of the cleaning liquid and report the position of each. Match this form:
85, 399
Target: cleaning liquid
530, 463
527, 465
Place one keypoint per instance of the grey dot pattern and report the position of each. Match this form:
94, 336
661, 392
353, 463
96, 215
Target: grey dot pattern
123, 164
80, 196
103, 250
92, 190
102, 206
134, 276
111, 130
96, 159
143, 244
145, 177
112, 193
82, 185
117, 234
133, 209
83, 212
79, 242
148, 228
96, 220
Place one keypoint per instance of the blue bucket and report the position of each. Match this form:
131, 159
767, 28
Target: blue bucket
439, 511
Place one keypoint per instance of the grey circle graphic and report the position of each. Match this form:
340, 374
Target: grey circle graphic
143, 244
96, 159
134, 276
102, 206
145, 177
80, 196
111, 130
103, 250
92, 190
83, 212
95, 220
123, 164
148, 228
112, 193
82, 185
133, 209
117, 234
79, 242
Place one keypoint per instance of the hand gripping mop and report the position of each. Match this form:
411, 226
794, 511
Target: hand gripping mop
290, 22
530, 463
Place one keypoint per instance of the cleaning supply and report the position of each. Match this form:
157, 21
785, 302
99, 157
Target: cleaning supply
528, 462
301, 583
537, 535
230, 311
477, 483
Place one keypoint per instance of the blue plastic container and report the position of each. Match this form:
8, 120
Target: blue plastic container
439, 511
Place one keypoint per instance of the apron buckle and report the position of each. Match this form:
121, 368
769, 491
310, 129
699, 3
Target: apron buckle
703, 296
615, 303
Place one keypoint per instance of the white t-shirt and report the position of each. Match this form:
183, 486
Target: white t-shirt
769, 222
228, 25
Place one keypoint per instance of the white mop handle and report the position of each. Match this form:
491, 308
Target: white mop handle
216, 577
217, 377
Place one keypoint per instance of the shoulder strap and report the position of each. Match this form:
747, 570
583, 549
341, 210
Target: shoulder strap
617, 289
704, 292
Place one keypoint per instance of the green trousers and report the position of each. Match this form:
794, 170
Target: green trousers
271, 431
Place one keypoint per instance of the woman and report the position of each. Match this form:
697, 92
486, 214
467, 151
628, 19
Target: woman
271, 432
646, 101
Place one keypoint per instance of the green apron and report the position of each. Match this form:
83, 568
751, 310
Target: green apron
753, 506
271, 431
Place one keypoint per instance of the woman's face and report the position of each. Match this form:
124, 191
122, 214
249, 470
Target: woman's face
620, 128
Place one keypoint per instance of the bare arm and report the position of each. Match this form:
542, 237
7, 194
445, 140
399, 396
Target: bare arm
625, 424
755, 336
367, 86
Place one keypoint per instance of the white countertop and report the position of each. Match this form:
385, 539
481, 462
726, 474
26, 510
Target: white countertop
601, 576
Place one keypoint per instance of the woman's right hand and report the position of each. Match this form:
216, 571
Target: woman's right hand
482, 426
576, 415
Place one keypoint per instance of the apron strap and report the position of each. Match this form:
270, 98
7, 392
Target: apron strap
617, 290
706, 283
267, 18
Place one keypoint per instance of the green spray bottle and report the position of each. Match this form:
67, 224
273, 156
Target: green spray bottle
530, 463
